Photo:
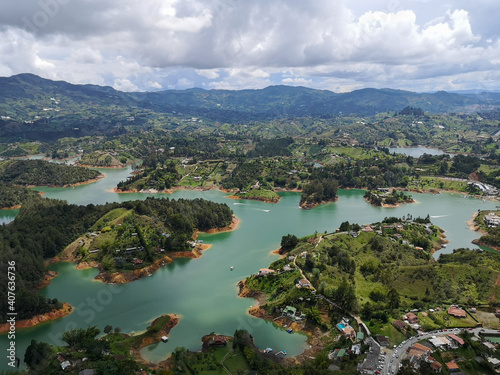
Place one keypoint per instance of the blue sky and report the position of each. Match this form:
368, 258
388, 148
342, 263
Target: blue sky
417, 45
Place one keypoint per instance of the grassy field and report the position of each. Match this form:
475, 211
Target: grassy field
259, 194
427, 182
387, 329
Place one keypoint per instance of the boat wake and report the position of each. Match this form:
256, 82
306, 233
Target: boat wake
439, 216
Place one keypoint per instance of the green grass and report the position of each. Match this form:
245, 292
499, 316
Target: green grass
427, 182
387, 329
236, 362
110, 218
259, 194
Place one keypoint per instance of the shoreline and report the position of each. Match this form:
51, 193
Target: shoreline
310, 206
390, 205
476, 228
66, 309
137, 274
102, 167
16, 207
260, 199
101, 176
314, 334
155, 338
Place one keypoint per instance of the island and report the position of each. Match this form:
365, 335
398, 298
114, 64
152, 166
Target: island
133, 240
43, 173
383, 197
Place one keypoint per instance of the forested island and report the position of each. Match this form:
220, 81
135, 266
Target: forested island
385, 198
44, 173
45, 227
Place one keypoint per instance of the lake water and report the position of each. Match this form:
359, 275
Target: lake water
204, 291
416, 152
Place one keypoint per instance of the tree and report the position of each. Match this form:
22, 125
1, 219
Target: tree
288, 242
393, 297
108, 329
76, 337
37, 353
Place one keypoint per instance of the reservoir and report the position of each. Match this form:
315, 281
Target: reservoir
204, 291
415, 152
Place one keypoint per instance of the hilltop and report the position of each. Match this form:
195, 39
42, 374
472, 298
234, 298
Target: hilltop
32, 107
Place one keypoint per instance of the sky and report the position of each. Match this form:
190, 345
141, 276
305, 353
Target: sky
336, 45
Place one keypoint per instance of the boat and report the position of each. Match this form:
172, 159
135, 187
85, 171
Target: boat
231, 268
289, 330
268, 350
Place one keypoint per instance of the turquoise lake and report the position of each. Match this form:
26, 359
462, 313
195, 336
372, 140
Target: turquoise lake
204, 291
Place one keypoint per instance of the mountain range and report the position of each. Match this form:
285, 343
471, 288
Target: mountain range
63, 109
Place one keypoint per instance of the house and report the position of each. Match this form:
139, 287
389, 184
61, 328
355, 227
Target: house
290, 311
360, 336
436, 366
137, 261
350, 333
383, 340
217, 340
440, 342
336, 354
456, 312
419, 351
399, 324
455, 340
412, 318
367, 229
265, 271
65, 365
304, 283
287, 268
494, 362
491, 220
452, 366
497, 313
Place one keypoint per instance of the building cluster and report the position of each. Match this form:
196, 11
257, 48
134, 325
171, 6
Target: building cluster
485, 189
491, 219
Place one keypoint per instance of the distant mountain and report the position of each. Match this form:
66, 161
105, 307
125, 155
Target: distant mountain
37, 108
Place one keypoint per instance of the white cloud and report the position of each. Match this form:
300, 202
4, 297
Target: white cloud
247, 44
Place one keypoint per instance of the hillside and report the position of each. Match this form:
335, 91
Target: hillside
35, 108
43, 173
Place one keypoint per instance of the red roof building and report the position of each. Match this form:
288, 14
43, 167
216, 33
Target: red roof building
412, 318
456, 312
456, 339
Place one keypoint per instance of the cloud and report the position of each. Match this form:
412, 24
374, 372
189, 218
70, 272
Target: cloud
238, 44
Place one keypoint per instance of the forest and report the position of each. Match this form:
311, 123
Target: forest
43, 173
12, 196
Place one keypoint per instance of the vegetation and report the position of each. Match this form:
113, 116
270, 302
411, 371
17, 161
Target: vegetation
381, 198
383, 270
11, 196
43, 173
44, 227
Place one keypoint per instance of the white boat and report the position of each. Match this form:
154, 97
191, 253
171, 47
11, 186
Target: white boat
231, 268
